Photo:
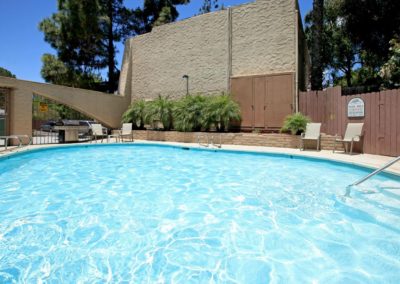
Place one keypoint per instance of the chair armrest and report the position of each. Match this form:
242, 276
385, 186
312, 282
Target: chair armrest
358, 138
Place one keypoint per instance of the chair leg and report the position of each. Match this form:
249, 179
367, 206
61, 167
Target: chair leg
318, 144
334, 146
351, 148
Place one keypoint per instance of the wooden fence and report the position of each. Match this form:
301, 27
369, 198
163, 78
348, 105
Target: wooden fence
381, 120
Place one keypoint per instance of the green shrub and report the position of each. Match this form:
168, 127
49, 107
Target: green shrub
295, 123
136, 114
220, 110
188, 113
161, 110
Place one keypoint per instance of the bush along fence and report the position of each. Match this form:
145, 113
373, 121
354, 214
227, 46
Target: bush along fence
379, 111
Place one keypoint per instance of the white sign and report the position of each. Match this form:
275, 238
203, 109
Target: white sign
356, 108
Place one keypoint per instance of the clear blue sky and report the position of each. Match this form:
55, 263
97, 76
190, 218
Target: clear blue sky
22, 44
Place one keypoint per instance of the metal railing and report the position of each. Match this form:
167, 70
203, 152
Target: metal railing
40, 137
210, 140
376, 171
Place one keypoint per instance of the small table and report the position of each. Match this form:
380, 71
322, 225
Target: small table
116, 135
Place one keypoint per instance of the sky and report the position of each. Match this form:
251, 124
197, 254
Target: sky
22, 44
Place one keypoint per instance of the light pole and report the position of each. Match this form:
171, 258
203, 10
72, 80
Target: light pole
187, 83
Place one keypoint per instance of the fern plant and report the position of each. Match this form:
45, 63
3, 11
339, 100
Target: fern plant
295, 123
221, 110
136, 114
160, 110
188, 113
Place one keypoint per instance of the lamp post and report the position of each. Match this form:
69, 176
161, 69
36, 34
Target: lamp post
187, 83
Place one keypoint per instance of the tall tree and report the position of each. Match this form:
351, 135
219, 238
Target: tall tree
153, 13
84, 33
208, 6
341, 54
317, 45
372, 24
111, 26
75, 33
6, 73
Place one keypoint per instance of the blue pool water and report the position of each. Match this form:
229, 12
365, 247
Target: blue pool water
152, 214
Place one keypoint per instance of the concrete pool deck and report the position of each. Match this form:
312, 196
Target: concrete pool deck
368, 160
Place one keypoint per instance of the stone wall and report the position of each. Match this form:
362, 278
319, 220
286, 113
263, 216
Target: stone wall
254, 38
246, 139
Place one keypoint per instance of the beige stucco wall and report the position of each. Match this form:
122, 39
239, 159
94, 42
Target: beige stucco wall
105, 108
197, 47
255, 38
263, 37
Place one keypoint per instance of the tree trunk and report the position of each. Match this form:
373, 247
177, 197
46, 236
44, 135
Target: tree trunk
317, 69
111, 49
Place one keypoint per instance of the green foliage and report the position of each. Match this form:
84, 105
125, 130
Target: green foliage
188, 113
390, 71
295, 123
220, 110
355, 41
4, 72
371, 25
84, 34
160, 110
136, 113
208, 6
56, 72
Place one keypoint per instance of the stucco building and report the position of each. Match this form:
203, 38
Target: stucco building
256, 51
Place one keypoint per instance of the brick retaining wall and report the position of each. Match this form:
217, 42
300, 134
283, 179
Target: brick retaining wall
247, 139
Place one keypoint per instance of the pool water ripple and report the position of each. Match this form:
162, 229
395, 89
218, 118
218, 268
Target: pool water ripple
147, 214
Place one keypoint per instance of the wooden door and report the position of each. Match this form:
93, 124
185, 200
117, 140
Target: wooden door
242, 91
259, 87
278, 99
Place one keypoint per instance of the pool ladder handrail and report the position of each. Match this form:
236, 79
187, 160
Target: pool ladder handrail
376, 171
200, 136
210, 140
220, 141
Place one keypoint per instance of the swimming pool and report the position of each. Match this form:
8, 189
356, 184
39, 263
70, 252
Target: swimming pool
152, 214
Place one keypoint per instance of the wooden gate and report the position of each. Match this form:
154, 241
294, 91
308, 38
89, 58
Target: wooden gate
265, 100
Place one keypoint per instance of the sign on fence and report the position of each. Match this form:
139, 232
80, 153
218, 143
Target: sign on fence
355, 108
43, 107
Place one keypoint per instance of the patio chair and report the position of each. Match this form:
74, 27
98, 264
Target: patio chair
126, 131
353, 134
313, 132
18, 138
97, 131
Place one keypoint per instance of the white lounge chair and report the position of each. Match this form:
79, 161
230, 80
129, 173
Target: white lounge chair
18, 138
313, 132
353, 134
97, 131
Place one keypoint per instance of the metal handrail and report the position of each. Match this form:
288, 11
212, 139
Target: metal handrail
220, 141
198, 140
377, 171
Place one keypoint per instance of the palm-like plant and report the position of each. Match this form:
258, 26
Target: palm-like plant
295, 123
188, 113
160, 110
136, 113
220, 110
